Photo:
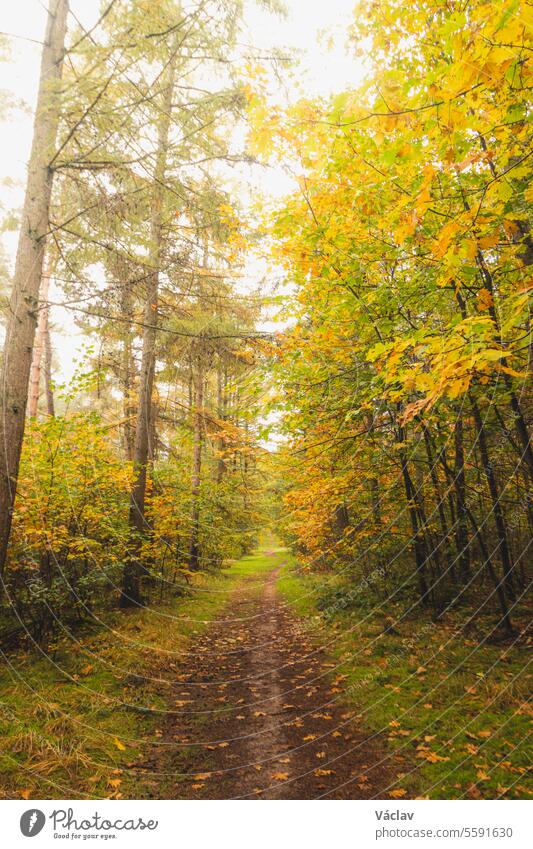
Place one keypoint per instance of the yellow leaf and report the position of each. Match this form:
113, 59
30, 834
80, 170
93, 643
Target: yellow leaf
398, 793
118, 744
484, 299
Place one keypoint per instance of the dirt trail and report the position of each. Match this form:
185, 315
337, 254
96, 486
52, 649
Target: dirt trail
258, 714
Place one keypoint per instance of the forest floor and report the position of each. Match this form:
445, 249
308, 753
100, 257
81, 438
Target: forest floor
244, 689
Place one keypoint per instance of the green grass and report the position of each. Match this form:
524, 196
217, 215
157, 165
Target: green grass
454, 708
64, 728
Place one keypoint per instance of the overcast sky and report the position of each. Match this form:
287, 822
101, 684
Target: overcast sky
315, 28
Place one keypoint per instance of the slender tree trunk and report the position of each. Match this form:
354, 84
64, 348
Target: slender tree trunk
39, 347
438, 492
461, 529
503, 545
20, 331
222, 379
131, 585
419, 543
128, 374
49, 392
194, 548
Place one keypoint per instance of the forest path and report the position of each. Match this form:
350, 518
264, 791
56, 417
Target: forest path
257, 713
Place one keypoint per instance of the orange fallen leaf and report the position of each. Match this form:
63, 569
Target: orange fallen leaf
398, 793
281, 776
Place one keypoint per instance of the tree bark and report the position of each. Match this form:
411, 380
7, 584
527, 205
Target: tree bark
131, 595
419, 542
39, 347
49, 392
194, 549
461, 530
503, 545
20, 331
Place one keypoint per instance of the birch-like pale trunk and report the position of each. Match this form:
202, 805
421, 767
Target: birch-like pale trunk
24, 302
39, 347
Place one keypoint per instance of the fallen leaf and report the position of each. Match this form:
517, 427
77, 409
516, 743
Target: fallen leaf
398, 793
281, 776
119, 744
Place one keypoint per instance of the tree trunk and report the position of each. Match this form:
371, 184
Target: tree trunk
461, 530
222, 379
419, 543
503, 545
39, 347
131, 595
49, 392
20, 331
194, 549
128, 373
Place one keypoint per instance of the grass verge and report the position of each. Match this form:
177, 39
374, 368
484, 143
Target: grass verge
72, 719
456, 707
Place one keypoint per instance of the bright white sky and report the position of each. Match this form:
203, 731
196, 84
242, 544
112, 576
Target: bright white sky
315, 28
